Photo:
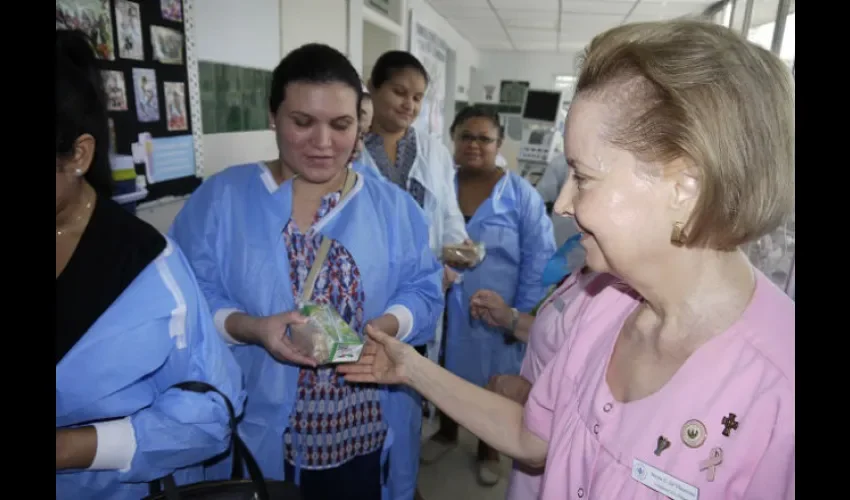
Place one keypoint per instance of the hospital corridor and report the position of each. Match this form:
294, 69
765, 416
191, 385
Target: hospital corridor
425, 250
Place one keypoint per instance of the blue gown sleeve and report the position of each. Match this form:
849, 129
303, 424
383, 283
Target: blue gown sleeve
195, 230
420, 274
183, 428
537, 245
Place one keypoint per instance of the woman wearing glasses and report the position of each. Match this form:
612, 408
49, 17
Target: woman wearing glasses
503, 211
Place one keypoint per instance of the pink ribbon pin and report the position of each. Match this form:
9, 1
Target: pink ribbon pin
715, 458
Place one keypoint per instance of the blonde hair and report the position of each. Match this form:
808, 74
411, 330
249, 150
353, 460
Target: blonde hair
695, 91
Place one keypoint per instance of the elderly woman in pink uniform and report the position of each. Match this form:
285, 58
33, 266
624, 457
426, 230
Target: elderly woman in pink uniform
677, 379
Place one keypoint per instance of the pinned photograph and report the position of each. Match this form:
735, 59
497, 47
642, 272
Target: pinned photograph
167, 45
116, 90
129, 22
175, 106
144, 88
92, 17
172, 10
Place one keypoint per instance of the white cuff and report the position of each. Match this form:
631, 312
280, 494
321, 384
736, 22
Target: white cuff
405, 320
116, 445
219, 319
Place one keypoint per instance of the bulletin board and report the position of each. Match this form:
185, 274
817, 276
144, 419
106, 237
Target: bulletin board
147, 58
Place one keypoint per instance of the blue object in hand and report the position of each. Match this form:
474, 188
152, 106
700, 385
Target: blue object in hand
559, 266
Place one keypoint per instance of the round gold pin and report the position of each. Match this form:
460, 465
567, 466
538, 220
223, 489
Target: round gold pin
693, 433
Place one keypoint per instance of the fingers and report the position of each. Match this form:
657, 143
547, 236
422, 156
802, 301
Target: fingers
370, 349
376, 334
286, 350
293, 318
284, 354
485, 299
482, 296
361, 379
358, 368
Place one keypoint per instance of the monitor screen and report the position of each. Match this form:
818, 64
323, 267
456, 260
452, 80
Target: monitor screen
541, 105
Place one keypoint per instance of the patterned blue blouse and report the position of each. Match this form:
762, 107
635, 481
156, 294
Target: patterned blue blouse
398, 174
333, 422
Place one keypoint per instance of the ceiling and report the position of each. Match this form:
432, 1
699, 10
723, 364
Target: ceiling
561, 25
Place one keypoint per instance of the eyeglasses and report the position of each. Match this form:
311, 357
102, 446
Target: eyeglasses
480, 139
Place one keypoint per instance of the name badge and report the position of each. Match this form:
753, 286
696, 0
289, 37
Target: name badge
558, 303
662, 482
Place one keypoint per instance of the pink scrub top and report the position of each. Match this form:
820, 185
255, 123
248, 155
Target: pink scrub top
721, 428
548, 332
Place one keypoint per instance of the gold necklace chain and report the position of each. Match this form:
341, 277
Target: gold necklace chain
77, 219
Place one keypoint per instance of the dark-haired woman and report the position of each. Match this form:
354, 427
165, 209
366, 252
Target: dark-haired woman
417, 162
254, 233
130, 321
505, 212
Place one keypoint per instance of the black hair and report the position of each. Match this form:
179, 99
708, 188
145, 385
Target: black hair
313, 63
471, 112
81, 106
391, 62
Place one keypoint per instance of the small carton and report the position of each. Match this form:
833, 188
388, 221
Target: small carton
326, 336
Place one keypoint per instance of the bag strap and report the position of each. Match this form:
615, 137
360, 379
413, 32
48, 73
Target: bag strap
324, 248
240, 451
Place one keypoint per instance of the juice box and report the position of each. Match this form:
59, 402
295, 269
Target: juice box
326, 336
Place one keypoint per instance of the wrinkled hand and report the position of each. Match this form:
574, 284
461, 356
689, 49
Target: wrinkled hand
449, 277
274, 335
513, 387
490, 307
384, 360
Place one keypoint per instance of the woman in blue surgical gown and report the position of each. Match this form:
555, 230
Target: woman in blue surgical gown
252, 233
130, 321
506, 213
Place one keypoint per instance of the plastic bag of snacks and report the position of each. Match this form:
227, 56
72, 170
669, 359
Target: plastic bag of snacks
326, 336
464, 255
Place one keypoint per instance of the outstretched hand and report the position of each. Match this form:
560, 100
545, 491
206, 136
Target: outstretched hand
384, 360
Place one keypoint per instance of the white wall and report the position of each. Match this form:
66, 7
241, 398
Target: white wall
376, 41
538, 68
466, 56
306, 21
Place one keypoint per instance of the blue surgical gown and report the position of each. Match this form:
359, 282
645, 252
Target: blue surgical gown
232, 230
517, 233
157, 333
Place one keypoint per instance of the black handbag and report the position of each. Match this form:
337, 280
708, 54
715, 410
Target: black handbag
237, 488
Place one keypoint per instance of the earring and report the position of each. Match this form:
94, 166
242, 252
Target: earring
78, 172
678, 236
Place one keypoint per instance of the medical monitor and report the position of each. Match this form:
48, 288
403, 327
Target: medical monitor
542, 105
